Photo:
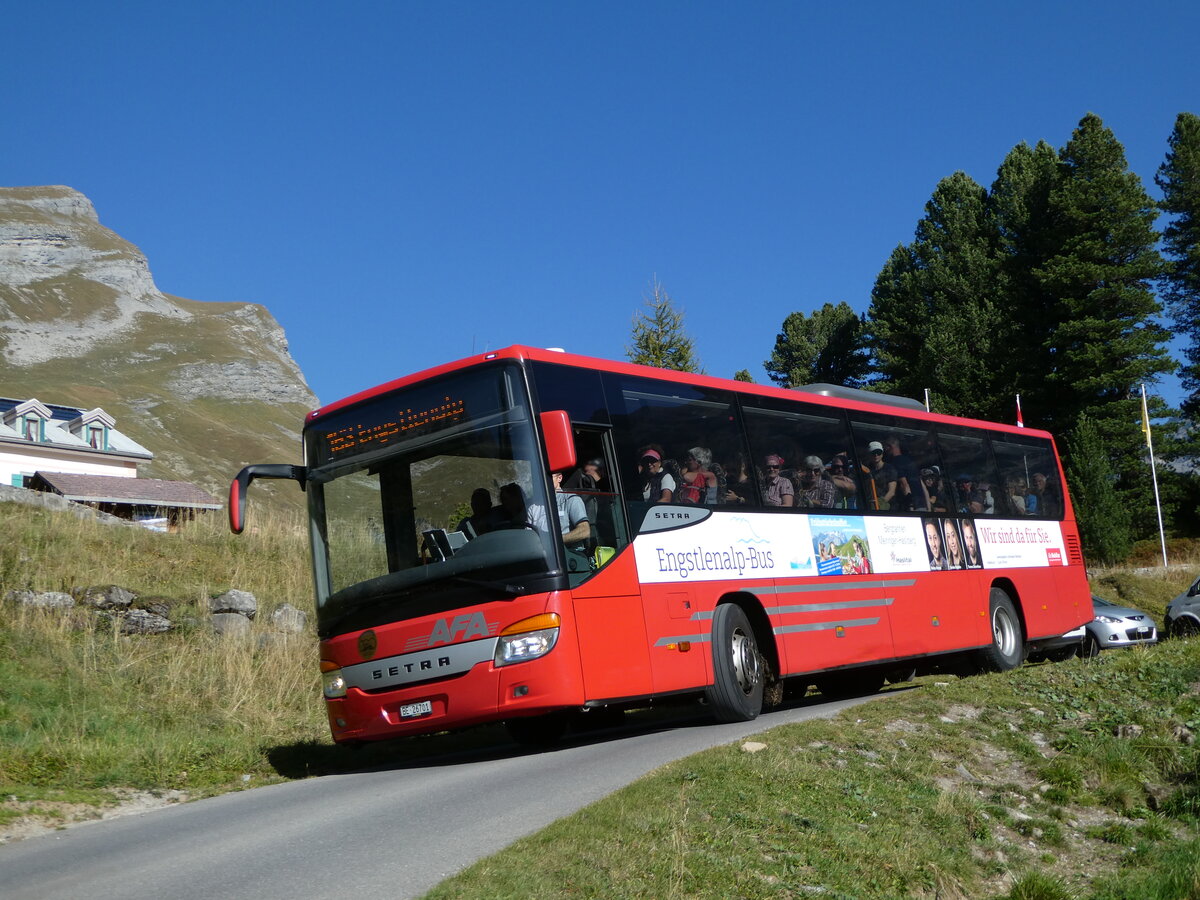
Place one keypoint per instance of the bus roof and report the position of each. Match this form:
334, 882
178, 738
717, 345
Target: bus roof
821, 394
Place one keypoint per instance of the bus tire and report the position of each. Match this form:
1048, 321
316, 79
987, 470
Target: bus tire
1007, 649
736, 694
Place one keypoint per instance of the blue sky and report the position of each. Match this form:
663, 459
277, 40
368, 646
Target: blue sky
402, 184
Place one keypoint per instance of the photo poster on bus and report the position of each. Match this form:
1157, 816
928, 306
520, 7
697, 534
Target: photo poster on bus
749, 546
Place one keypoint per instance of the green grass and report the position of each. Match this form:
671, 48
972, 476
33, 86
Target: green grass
1072, 780
946, 791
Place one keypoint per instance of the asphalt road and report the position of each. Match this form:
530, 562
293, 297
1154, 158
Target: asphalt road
390, 832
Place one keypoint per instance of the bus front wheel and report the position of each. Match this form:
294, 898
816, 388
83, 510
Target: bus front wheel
1007, 650
736, 694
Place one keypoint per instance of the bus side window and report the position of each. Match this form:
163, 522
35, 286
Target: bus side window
972, 474
808, 438
1020, 460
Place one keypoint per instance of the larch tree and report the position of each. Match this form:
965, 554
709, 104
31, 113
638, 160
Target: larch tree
828, 347
658, 337
1179, 179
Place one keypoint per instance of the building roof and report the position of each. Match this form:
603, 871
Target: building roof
127, 491
58, 429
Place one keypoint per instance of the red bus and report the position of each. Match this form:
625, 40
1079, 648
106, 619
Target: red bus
782, 537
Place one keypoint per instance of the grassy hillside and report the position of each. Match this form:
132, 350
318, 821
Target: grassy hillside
1080, 779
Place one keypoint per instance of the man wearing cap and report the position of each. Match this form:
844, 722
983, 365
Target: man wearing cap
777, 490
883, 478
932, 488
842, 477
973, 497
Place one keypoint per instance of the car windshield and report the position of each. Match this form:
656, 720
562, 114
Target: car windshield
407, 490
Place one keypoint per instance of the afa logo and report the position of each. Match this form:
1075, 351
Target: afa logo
465, 627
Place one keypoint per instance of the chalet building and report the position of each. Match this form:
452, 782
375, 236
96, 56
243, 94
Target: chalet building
36, 437
80, 455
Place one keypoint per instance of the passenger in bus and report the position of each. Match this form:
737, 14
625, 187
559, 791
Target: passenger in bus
658, 485
1014, 487
933, 489
598, 472
971, 545
572, 516
739, 486
933, 544
908, 481
843, 482
813, 489
484, 517
699, 482
973, 498
883, 478
777, 490
589, 477
954, 552
512, 506
1046, 496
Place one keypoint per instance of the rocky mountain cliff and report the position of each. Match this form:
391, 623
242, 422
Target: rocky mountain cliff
207, 387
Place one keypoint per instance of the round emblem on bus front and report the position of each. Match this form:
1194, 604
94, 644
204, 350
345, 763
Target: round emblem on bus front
367, 644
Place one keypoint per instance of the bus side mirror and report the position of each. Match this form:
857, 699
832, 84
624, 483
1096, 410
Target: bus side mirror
560, 443
241, 484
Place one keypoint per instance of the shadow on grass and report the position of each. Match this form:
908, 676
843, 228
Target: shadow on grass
309, 759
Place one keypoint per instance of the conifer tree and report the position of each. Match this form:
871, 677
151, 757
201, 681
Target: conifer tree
1103, 516
1018, 211
1179, 179
1104, 339
829, 347
933, 313
659, 338
743, 375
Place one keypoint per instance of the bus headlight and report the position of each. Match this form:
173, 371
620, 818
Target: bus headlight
333, 685
528, 639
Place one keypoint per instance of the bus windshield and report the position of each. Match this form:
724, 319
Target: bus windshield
391, 493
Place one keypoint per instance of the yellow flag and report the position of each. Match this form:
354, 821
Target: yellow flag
1145, 418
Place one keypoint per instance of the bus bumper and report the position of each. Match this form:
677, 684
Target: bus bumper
486, 693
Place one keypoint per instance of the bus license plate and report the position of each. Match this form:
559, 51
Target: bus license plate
412, 710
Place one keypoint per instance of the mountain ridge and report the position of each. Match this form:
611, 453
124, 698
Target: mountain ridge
206, 386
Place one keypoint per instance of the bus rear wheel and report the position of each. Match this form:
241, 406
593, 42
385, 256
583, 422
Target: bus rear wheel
736, 694
1007, 650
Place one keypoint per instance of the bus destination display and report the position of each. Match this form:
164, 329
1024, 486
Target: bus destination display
366, 435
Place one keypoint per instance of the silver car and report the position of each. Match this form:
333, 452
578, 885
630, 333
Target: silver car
1183, 613
1117, 626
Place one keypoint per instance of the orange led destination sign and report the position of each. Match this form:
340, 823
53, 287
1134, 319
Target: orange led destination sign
359, 437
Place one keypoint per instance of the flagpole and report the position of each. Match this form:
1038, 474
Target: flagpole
1162, 536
